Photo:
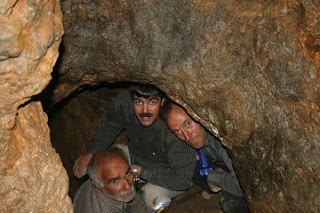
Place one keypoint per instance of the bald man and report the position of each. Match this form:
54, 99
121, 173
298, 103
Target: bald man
110, 187
223, 177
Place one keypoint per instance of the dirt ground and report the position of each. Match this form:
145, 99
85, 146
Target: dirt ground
192, 202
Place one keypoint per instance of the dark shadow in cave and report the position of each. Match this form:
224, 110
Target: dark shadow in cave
73, 121
47, 93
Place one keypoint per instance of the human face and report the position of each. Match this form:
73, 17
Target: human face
147, 109
185, 128
117, 178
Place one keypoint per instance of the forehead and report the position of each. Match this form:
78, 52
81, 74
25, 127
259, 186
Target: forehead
177, 116
176, 110
151, 97
116, 167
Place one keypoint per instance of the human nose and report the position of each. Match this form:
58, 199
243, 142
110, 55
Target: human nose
127, 184
144, 108
187, 134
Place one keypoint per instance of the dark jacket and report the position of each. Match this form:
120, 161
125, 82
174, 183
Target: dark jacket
228, 181
165, 160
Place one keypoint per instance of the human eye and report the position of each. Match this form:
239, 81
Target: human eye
153, 102
137, 102
129, 172
176, 132
188, 124
115, 181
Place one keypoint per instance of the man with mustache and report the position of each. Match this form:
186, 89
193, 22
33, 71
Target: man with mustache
158, 157
222, 177
110, 188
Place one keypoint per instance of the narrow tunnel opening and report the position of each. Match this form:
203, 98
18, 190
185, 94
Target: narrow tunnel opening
74, 120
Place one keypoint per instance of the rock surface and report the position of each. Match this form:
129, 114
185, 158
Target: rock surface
248, 70
32, 178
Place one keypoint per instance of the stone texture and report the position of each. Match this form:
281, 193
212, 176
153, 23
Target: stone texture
32, 177
248, 70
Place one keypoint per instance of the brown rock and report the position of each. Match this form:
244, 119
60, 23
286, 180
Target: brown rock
32, 176
247, 70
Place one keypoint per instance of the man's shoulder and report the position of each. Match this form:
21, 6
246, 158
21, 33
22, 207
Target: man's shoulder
85, 187
123, 102
213, 142
212, 139
161, 127
82, 193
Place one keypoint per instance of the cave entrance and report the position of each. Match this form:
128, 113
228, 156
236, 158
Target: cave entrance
74, 120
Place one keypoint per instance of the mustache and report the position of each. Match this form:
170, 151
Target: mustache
145, 115
127, 192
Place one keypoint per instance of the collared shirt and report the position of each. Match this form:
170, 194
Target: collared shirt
89, 199
165, 160
228, 181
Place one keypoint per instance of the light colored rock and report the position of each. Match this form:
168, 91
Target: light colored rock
248, 70
32, 178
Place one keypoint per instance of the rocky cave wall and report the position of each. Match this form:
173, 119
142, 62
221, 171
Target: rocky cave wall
32, 178
247, 70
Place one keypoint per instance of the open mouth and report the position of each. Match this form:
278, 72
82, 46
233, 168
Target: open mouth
145, 115
145, 118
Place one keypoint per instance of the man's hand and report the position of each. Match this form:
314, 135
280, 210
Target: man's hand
212, 187
219, 169
80, 166
197, 157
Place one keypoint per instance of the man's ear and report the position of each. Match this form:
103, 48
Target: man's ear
95, 184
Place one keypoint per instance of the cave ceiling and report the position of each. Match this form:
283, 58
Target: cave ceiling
248, 71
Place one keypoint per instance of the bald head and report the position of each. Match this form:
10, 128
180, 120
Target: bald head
183, 126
